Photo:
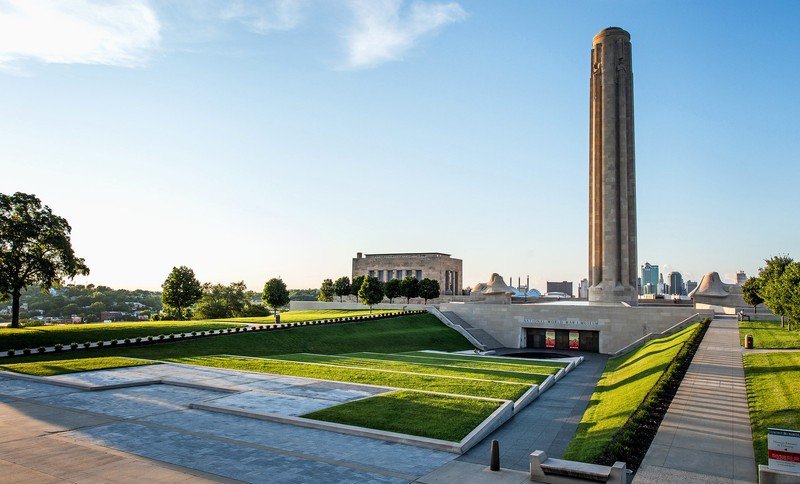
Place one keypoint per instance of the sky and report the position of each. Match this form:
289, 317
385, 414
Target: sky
278, 138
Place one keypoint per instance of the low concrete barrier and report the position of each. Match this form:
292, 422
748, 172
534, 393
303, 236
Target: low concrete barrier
772, 476
559, 471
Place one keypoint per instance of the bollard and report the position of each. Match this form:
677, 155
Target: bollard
494, 456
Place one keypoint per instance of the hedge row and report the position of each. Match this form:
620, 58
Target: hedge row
198, 334
633, 439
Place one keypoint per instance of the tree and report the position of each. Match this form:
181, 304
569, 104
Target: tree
275, 294
326, 291
342, 287
392, 289
428, 289
371, 292
358, 281
409, 287
751, 292
220, 301
771, 290
35, 249
180, 290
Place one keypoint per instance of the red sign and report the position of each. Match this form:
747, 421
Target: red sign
574, 340
550, 338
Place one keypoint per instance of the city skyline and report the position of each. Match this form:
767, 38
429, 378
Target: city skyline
253, 140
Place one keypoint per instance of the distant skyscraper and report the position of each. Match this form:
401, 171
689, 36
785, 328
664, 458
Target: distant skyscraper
675, 283
661, 286
649, 278
741, 278
583, 289
563, 286
690, 286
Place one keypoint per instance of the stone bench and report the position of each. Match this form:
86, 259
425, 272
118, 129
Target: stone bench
558, 471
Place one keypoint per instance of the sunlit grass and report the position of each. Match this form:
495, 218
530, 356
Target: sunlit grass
410, 381
769, 334
623, 386
447, 417
59, 367
773, 394
309, 315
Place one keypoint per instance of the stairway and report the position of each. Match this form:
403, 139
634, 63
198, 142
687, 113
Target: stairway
486, 340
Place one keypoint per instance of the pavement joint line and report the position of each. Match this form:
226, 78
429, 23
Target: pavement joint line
278, 450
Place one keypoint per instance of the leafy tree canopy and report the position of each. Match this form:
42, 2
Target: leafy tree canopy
751, 290
409, 287
275, 294
358, 281
220, 301
392, 289
342, 287
326, 291
35, 248
428, 289
181, 289
371, 292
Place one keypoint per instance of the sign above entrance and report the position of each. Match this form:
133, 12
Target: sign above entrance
562, 322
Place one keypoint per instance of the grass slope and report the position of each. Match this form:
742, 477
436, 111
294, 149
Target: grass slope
622, 387
464, 361
383, 336
446, 417
387, 364
19, 338
308, 315
433, 383
60, 367
769, 334
773, 394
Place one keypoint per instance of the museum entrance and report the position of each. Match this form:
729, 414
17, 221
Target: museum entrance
563, 339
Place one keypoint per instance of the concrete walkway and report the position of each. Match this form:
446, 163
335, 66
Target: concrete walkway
705, 436
548, 423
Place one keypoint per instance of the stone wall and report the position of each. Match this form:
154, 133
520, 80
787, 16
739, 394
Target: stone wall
618, 325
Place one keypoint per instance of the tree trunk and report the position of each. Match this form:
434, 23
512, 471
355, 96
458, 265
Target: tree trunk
16, 294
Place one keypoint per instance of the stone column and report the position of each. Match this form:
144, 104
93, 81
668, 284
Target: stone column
612, 181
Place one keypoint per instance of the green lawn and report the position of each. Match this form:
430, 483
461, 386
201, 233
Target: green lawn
622, 387
769, 334
59, 367
402, 333
495, 362
65, 334
309, 315
469, 362
773, 393
433, 383
388, 365
447, 417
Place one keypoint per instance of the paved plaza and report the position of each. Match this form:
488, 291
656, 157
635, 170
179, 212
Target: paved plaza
55, 433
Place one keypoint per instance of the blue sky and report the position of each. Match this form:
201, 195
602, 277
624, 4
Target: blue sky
250, 140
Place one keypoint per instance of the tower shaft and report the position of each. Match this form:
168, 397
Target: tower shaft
612, 181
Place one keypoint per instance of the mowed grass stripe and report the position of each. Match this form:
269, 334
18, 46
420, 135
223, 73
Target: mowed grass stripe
502, 361
383, 364
60, 367
447, 417
392, 379
470, 363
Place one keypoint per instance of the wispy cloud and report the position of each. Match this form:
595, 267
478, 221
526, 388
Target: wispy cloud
264, 16
116, 33
381, 33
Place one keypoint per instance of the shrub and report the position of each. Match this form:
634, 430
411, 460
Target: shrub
127, 341
149, 338
10, 353
100, 344
26, 351
138, 340
194, 333
161, 336
58, 347
172, 336
41, 349
87, 344
183, 335
114, 342
73, 346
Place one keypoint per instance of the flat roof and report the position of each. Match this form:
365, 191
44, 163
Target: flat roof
409, 254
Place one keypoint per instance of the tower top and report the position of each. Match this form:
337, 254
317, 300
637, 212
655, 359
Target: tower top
611, 32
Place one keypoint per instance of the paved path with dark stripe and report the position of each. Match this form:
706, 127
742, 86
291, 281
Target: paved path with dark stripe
705, 436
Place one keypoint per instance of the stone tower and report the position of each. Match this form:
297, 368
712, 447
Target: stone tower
612, 181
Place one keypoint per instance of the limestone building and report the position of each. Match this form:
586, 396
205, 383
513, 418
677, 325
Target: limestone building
612, 180
422, 265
